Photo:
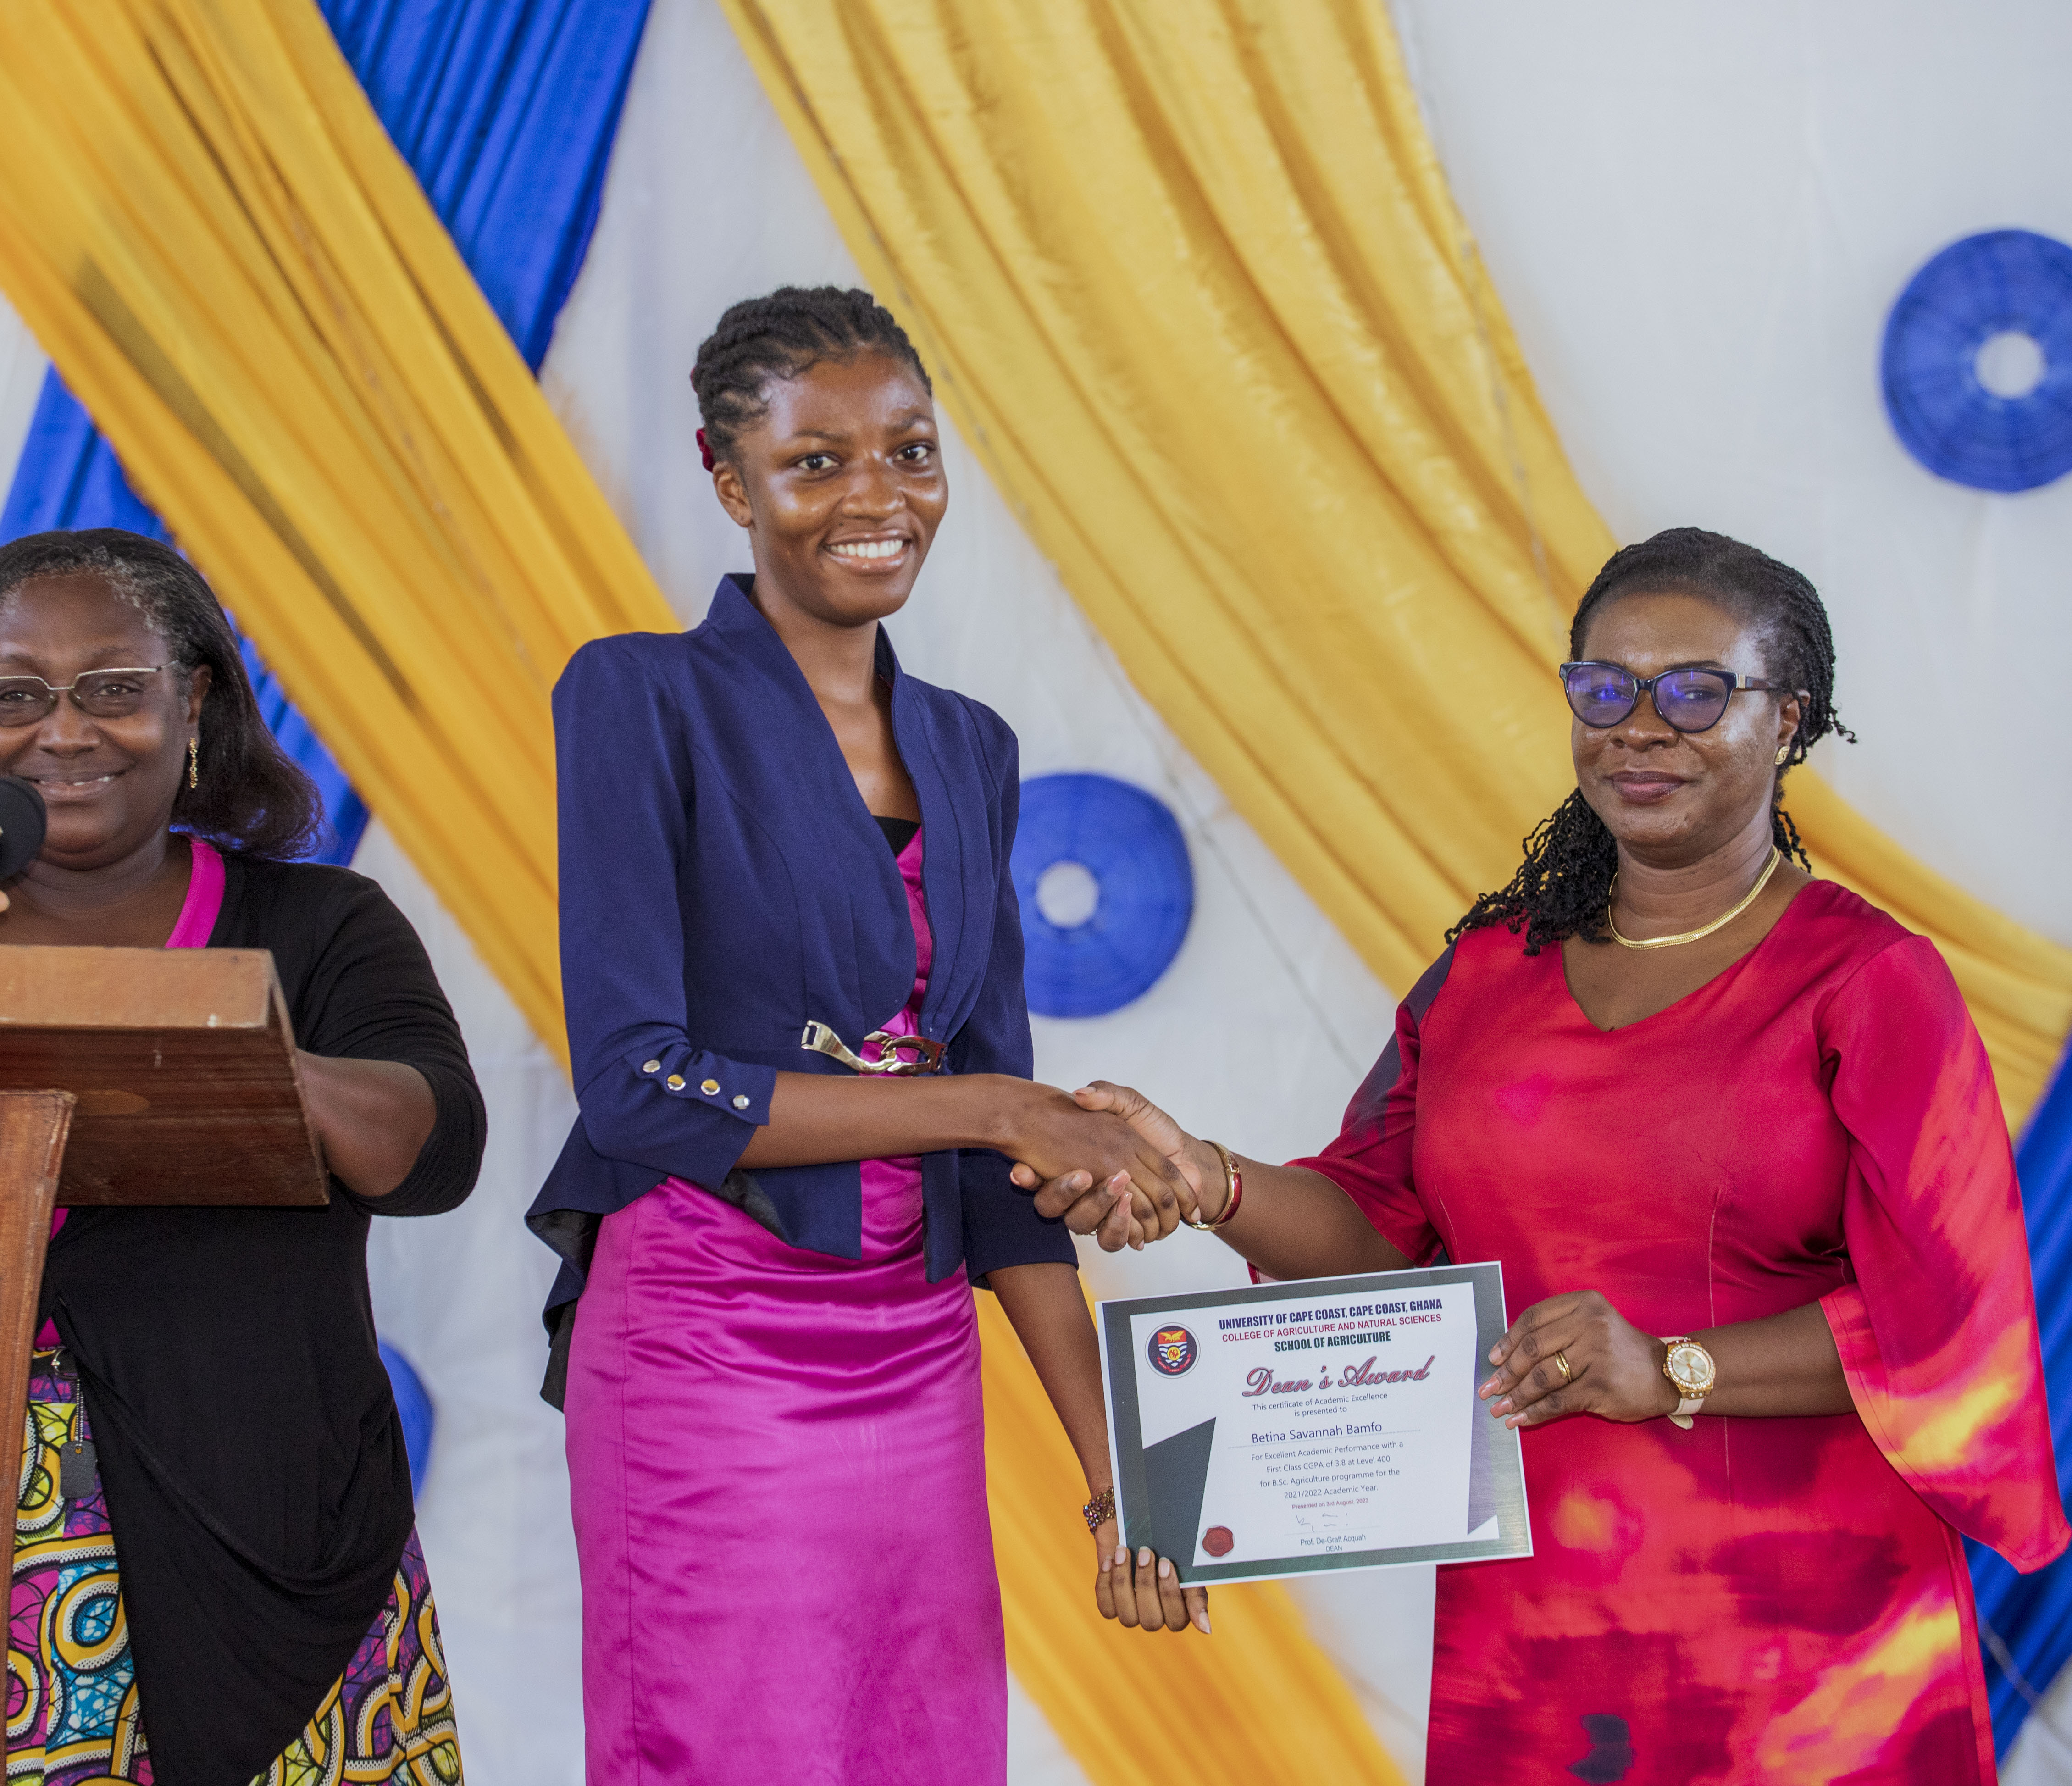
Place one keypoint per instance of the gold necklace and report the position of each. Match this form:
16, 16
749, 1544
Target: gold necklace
1720, 922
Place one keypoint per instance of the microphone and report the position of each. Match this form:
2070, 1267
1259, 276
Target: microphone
21, 825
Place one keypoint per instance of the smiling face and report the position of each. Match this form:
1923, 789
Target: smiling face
840, 486
1675, 798
108, 783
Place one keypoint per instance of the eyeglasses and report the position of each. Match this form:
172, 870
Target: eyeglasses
102, 694
1688, 700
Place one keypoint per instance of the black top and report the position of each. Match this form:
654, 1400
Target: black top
898, 832
249, 1446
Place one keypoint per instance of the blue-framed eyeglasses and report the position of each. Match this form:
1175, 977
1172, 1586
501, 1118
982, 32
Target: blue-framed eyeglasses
1688, 700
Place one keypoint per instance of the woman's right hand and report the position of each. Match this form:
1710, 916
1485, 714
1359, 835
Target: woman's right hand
1092, 1166
1085, 1202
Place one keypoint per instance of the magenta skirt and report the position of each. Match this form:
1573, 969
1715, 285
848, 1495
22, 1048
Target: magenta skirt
777, 1463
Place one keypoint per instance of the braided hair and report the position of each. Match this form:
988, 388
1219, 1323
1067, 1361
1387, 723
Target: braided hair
763, 340
250, 796
1564, 885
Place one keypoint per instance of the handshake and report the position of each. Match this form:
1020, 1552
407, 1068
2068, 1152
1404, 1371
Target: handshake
1112, 1163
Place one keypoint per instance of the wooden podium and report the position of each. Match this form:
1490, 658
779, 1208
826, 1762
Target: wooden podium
132, 1076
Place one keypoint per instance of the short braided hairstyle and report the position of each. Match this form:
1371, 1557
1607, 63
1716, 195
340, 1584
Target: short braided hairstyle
250, 795
763, 340
1564, 885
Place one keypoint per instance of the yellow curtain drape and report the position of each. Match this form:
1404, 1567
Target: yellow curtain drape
1189, 275
208, 230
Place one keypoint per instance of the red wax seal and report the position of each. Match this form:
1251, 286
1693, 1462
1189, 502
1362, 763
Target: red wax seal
1217, 1541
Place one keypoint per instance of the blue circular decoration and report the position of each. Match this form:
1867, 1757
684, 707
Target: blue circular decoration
1977, 361
415, 1407
1106, 889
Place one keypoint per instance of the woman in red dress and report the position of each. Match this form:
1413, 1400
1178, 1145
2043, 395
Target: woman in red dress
1710, 1114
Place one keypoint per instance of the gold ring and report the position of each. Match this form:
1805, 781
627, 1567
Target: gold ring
1561, 1364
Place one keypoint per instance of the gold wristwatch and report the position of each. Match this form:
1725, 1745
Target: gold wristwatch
1690, 1371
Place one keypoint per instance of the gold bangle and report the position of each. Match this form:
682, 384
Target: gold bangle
1233, 1190
1099, 1511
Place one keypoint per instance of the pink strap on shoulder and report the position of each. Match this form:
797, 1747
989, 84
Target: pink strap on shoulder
204, 901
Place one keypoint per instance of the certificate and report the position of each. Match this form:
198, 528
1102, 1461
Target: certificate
1330, 1423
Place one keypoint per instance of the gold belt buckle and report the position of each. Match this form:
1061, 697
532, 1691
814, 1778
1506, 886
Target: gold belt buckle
926, 1057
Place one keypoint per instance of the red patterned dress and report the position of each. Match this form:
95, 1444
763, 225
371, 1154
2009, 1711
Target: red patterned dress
1780, 1600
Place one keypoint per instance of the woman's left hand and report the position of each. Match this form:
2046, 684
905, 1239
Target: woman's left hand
1614, 1370
1115, 1213
372, 1117
1143, 1591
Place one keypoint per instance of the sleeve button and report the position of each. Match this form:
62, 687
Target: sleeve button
709, 1087
741, 1104
651, 1066
675, 1082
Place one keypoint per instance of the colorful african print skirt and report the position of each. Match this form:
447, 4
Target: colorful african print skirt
72, 1715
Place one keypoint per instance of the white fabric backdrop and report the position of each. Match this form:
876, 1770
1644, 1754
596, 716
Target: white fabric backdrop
22, 369
1698, 218
1697, 227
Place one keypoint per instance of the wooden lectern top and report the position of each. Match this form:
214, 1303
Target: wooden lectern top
182, 1066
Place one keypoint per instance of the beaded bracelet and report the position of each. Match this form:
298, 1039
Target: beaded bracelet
1099, 1511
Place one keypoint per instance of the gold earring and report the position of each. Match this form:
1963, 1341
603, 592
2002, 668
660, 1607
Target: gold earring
1783, 752
193, 763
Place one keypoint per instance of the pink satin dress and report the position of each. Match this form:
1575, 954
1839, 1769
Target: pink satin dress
776, 1460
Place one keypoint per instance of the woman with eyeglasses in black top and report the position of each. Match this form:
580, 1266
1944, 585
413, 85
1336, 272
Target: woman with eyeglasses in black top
243, 1455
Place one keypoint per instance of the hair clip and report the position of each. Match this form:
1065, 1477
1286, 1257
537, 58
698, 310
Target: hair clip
704, 452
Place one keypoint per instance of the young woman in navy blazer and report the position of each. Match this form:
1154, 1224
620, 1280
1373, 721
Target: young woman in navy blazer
767, 1349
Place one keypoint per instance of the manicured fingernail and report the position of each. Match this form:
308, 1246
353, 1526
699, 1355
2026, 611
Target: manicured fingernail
1143, 1557
1495, 1353
1201, 1623
1121, 1555
1502, 1406
1165, 1569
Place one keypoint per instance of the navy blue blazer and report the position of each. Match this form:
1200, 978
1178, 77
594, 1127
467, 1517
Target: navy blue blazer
721, 885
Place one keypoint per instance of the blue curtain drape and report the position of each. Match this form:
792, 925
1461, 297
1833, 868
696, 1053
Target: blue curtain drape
506, 110
2025, 1621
